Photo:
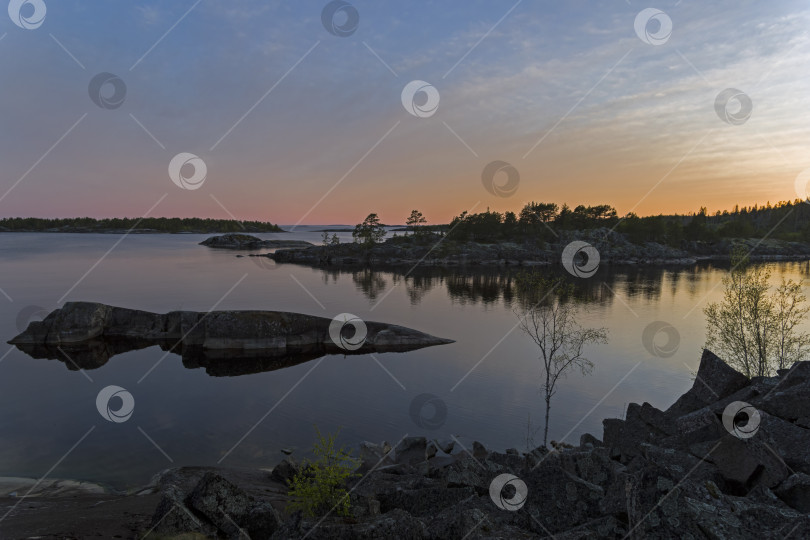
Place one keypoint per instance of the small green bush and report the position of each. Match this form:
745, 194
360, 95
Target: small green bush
320, 485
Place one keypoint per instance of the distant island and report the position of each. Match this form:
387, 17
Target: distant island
135, 225
539, 232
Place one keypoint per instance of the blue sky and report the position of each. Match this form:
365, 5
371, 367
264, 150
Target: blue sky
621, 121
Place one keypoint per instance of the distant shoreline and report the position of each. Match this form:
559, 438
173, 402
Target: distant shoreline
145, 225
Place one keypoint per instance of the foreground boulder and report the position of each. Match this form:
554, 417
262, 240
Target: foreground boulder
680, 473
714, 381
214, 506
99, 331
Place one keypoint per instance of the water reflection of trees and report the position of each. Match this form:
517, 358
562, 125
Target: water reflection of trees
487, 286
370, 283
800, 268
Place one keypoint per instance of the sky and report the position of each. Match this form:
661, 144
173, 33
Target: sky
279, 116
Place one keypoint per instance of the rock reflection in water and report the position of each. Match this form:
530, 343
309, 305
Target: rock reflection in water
96, 353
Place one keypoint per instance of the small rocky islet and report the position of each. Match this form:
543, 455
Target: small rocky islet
686, 472
239, 241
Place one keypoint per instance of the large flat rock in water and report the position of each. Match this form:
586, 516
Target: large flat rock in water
272, 332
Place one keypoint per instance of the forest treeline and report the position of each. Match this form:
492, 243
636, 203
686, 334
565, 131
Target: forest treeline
788, 220
160, 224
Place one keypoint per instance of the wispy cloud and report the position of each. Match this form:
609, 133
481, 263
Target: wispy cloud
150, 14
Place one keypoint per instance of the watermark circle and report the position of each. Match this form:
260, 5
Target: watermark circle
431, 99
802, 185
337, 331
120, 415
650, 339
428, 411
724, 106
100, 83
648, 17
511, 503
34, 19
505, 189
330, 17
181, 160
580, 259
29, 314
732, 413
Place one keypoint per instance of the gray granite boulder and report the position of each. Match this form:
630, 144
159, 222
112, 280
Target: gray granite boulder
714, 380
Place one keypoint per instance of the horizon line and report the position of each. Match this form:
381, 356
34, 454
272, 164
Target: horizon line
757, 206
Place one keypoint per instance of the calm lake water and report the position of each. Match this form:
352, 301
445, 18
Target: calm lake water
488, 380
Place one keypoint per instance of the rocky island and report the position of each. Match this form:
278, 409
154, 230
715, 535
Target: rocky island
247, 242
729, 459
92, 333
613, 248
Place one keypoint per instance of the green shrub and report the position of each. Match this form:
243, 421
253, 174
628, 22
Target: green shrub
320, 485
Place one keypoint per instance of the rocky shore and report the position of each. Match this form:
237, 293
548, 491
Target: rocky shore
729, 459
613, 248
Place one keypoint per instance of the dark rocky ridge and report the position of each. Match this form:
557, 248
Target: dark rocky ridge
613, 247
677, 473
94, 332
